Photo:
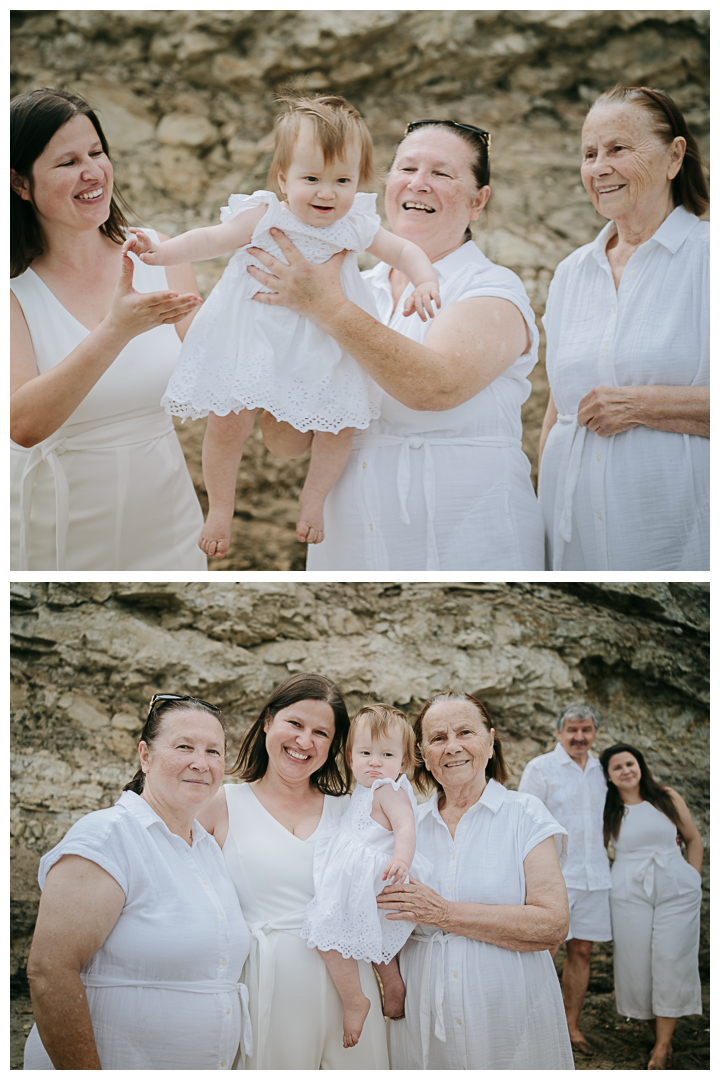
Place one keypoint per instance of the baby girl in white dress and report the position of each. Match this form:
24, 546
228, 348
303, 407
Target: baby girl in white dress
372, 845
239, 356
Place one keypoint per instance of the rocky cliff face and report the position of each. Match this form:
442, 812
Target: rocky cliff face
87, 658
186, 98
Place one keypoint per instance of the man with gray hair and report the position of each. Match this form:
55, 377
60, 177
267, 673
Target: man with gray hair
571, 784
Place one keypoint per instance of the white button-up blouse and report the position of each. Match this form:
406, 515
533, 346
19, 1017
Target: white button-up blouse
576, 798
164, 989
470, 1004
638, 500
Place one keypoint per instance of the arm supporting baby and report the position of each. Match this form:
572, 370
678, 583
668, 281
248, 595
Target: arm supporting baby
396, 806
411, 261
197, 244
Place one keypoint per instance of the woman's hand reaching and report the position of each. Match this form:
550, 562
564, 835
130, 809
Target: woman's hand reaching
132, 313
310, 289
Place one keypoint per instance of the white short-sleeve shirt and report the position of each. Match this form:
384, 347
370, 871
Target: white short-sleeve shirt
576, 798
470, 1004
163, 988
638, 500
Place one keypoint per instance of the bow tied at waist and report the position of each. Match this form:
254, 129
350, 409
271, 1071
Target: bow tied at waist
262, 970
117, 433
408, 443
432, 994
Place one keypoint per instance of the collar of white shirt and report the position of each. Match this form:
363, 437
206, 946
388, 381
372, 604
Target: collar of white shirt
144, 813
492, 799
565, 759
672, 234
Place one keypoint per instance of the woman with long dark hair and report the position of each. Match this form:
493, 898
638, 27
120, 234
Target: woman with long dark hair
99, 481
295, 781
654, 899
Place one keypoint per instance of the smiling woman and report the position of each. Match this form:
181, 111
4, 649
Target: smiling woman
628, 357
482, 992
292, 762
140, 940
99, 481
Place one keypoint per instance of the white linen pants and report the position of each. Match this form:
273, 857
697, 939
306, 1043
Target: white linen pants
655, 911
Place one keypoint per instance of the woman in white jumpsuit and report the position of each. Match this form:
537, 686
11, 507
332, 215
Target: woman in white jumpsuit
440, 480
292, 762
654, 899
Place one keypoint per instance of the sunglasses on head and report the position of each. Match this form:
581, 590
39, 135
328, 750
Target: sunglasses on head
160, 698
484, 136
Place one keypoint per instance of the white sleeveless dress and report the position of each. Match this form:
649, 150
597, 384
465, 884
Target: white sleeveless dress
349, 861
655, 909
110, 489
295, 1009
240, 354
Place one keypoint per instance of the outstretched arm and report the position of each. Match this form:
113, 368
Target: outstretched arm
197, 244
468, 346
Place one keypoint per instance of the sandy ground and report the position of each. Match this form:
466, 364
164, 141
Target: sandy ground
621, 1044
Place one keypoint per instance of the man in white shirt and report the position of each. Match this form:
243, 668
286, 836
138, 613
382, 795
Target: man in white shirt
571, 784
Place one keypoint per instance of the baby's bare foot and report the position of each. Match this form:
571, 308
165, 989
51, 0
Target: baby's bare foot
215, 537
353, 1019
311, 527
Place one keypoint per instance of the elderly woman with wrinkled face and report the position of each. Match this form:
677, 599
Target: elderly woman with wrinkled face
625, 453
482, 992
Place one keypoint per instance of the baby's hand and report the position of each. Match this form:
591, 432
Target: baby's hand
395, 872
421, 300
141, 245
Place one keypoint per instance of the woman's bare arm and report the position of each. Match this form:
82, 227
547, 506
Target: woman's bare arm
551, 415
609, 410
40, 404
468, 346
539, 924
688, 830
79, 907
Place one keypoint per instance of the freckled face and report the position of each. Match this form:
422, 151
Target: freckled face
72, 178
626, 168
186, 762
431, 192
298, 739
456, 745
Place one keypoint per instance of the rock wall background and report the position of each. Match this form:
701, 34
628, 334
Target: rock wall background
186, 98
86, 659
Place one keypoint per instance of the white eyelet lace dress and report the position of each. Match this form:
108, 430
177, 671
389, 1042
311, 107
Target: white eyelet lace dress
240, 354
348, 866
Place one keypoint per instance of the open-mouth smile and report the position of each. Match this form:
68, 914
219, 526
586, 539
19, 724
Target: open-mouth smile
418, 206
296, 755
90, 196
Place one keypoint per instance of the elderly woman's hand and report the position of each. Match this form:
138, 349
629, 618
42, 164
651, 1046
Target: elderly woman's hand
608, 410
310, 289
414, 901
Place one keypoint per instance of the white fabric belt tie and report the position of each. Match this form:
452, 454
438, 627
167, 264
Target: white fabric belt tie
262, 971
569, 470
208, 986
137, 429
645, 872
428, 1007
424, 443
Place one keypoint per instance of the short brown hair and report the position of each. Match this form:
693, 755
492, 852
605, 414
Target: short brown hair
495, 768
689, 188
335, 123
154, 723
332, 778
34, 119
381, 718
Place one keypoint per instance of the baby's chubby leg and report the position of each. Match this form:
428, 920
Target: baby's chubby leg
344, 973
393, 989
327, 461
222, 451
